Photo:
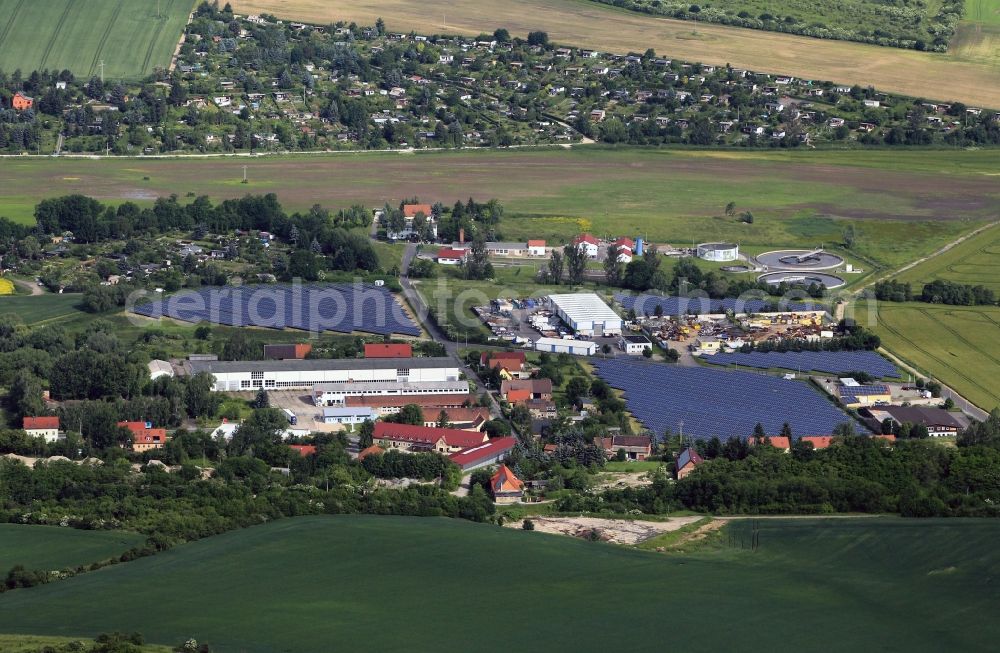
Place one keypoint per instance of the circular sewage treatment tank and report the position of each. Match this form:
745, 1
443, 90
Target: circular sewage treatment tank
718, 251
799, 259
802, 279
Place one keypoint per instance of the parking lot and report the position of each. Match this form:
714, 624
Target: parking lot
309, 417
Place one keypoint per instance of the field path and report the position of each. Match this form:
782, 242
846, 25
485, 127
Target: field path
33, 288
55, 34
10, 21
153, 40
104, 37
913, 264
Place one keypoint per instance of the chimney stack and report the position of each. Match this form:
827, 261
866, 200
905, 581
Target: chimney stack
461, 235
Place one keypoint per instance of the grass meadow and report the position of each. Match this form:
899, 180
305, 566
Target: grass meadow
52, 547
41, 308
323, 583
967, 73
77, 35
903, 203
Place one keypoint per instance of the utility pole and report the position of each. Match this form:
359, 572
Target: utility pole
102, 70
245, 181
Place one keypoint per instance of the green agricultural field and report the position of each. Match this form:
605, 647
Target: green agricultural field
975, 261
40, 308
128, 35
867, 21
51, 547
904, 204
956, 344
322, 583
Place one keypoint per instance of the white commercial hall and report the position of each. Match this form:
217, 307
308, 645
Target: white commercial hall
233, 376
586, 314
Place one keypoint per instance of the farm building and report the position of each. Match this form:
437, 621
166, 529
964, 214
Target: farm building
407, 437
42, 427
718, 251
387, 350
636, 447
337, 394
144, 436
566, 346
586, 314
450, 256
392, 404
536, 248
158, 368
287, 352
634, 344
466, 419
505, 486
348, 415
939, 422
232, 376
852, 394
488, 453
687, 460
587, 244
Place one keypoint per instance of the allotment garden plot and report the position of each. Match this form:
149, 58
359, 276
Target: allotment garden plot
705, 402
343, 308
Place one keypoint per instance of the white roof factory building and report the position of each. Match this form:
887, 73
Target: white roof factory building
565, 346
586, 314
233, 376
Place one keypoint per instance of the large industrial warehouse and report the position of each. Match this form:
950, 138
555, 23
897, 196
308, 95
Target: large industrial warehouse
233, 376
586, 314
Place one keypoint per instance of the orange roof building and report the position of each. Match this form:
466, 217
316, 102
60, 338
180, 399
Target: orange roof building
144, 436
42, 427
20, 102
518, 396
387, 350
505, 486
411, 210
373, 450
780, 442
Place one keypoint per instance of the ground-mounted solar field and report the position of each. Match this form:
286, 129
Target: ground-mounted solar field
337, 307
831, 362
324, 584
707, 402
680, 306
127, 35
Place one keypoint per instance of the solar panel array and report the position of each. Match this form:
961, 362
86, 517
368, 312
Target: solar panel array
832, 362
339, 307
713, 402
646, 304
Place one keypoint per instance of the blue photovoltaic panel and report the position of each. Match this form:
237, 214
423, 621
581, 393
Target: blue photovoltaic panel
675, 306
864, 390
342, 308
714, 402
832, 362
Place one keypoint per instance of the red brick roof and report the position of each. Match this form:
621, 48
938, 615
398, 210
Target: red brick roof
303, 449
491, 449
585, 238
143, 435
506, 359
536, 243
447, 252
39, 423
427, 435
818, 441
393, 401
625, 242
776, 441
505, 481
457, 415
515, 396
385, 350
370, 451
411, 210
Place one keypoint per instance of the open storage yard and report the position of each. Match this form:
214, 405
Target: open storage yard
968, 73
316, 580
127, 35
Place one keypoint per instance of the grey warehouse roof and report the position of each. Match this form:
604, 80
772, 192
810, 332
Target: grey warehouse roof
319, 364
